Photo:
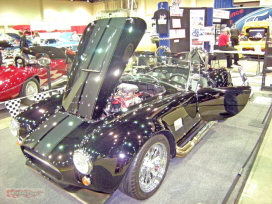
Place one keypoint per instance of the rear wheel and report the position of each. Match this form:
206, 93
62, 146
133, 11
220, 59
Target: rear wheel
148, 169
29, 89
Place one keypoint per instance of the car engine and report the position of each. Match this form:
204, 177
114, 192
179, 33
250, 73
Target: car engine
125, 96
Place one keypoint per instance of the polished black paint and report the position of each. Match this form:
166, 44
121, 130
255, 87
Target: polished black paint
53, 129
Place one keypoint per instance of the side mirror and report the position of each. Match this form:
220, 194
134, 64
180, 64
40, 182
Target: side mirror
43, 59
19, 61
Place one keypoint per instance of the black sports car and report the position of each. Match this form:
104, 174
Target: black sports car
111, 130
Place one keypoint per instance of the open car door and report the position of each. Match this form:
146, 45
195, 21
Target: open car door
222, 103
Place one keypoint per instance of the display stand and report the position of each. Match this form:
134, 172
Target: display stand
164, 40
186, 27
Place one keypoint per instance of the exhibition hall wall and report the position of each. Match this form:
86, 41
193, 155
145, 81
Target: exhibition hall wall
77, 13
23, 12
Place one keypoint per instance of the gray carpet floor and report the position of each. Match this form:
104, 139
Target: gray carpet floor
203, 176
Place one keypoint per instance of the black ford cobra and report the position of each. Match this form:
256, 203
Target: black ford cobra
114, 128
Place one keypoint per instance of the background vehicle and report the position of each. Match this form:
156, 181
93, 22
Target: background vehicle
112, 131
254, 34
59, 43
26, 77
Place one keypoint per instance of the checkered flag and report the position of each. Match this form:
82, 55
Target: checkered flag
41, 96
13, 107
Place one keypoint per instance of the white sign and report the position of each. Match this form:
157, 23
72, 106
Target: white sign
177, 33
217, 13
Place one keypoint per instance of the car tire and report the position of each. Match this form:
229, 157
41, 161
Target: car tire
148, 169
29, 88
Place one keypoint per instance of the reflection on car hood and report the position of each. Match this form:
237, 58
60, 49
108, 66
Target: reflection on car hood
17, 37
14, 35
103, 53
53, 52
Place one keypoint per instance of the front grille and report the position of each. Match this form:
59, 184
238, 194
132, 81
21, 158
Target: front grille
44, 167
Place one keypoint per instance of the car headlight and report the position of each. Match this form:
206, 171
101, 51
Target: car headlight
14, 127
82, 161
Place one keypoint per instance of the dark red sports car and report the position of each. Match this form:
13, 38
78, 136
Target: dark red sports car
25, 77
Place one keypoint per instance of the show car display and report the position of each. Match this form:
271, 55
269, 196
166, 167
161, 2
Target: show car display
116, 127
59, 43
10, 46
26, 77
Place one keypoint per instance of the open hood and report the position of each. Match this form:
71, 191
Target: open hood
103, 53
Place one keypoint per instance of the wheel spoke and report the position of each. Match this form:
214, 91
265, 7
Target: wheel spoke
153, 167
31, 89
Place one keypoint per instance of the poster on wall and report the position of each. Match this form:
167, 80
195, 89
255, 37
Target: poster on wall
175, 10
176, 23
197, 20
207, 34
177, 33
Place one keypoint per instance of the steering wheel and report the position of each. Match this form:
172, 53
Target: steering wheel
179, 79
178, 75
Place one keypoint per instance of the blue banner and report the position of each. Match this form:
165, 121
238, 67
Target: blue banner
242, 15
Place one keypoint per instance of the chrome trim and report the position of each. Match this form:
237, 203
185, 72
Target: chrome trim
153, 167
90, 70
183, 151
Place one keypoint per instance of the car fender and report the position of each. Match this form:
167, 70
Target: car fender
12, 79
37, 113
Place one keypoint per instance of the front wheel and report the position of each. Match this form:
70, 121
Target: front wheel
148, 169
29, 89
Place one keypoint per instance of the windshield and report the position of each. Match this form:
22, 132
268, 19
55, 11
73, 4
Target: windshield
256, 33
182, 70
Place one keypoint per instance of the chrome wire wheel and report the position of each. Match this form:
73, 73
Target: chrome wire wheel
31, 89
148, 168
153, 167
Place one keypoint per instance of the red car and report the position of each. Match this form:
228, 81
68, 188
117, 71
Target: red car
25, 77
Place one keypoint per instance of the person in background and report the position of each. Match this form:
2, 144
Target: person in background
223, 44
75, 36
37, 40
24, 46
234, 35
23, 42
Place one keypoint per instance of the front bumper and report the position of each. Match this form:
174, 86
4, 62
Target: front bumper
250, 45
83, 195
